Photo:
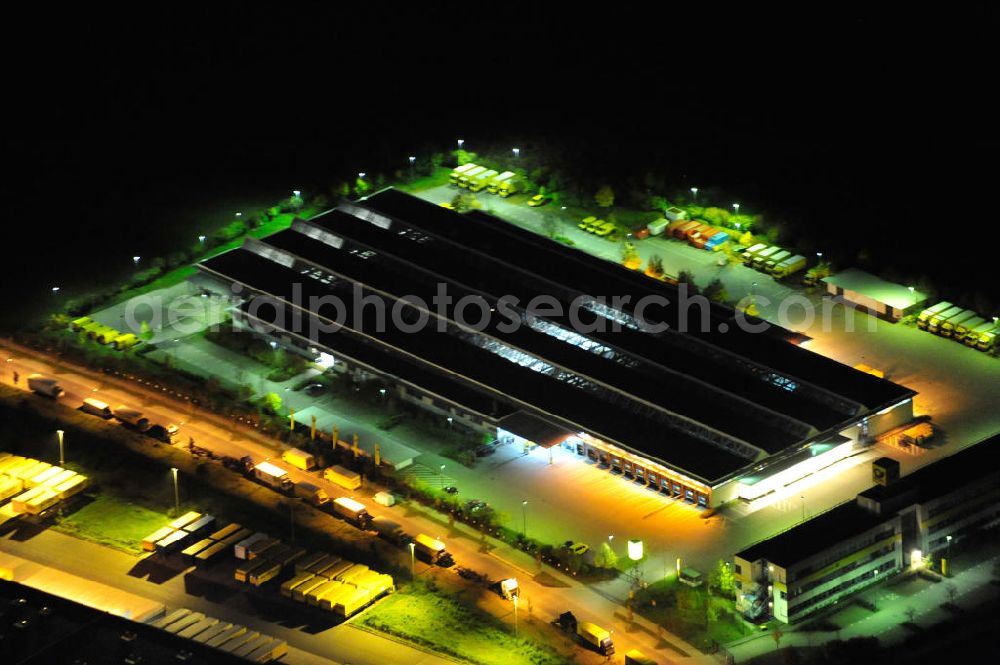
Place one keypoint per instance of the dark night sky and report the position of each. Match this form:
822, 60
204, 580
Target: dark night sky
863, 124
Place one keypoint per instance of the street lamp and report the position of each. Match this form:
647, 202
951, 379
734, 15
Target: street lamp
461, 142
412, 160
239, 214
524, 518
450, 420
694, 193
361, 174
296, 193
819, 255
442, 476
803, 497
515, 616
62, 459
736, 207
55, 289
177, 495
412, 559
201, 239
517, 152
135, 260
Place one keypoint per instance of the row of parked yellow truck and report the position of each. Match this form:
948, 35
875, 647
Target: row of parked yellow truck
31, 487
103, 334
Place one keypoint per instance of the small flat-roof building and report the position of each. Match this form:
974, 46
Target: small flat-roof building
880, 297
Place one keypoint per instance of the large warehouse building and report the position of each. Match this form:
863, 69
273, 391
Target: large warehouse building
705, 416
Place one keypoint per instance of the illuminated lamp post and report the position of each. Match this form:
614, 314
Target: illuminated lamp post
62, 460
694, 194
461, 142
524, 518
412, 559
517, 152
177, 495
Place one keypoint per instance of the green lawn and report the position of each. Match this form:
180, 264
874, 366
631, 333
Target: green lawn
113, 521
434, 620
439, 177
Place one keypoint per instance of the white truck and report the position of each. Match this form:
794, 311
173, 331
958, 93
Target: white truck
353, 511
272, 476
494, 186
43, 385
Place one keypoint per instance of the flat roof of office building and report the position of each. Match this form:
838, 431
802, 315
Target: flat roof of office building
817, 535
940, 478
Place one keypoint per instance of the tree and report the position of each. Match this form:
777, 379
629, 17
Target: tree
361, 186
549, 226
606, 558
687, 277
657, 203
655, 266
630, 255
776, 636
272, 403
716, 292
605, 197
721, 576
746, 239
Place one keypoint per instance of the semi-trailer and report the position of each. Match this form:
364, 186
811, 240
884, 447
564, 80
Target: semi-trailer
947, 328
303, 564
772, 262
191, 551
261, 548
636, 657
430, 549
934, 324
300, 591
211, 553
273, 476
272, 651
149, 542
132, 417
479, 182
225, 531
459, 171
356, 570
329, 586
172, 542
349, 480
987, 340
353, 511
349, 603
211, 632
657, 226
245, 569
291, 584
328, 601
466, 178
494, 186
752, 251
388, 530
789, 266
762, 256
962, 329
680, 231
312, 494
185, 519
595, 636
242, 548
43, 385
335, 569
97, 408
197, 628
300, 459
924, 318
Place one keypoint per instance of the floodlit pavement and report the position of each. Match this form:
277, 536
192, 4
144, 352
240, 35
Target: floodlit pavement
550, 593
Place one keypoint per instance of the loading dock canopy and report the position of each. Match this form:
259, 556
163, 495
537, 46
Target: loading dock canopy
876, 289
537, 430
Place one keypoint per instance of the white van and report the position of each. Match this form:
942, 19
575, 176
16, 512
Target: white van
97, 408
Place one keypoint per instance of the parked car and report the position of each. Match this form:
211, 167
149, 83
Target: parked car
485, 450
576, 548
451, 489
314, 389
538, 200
